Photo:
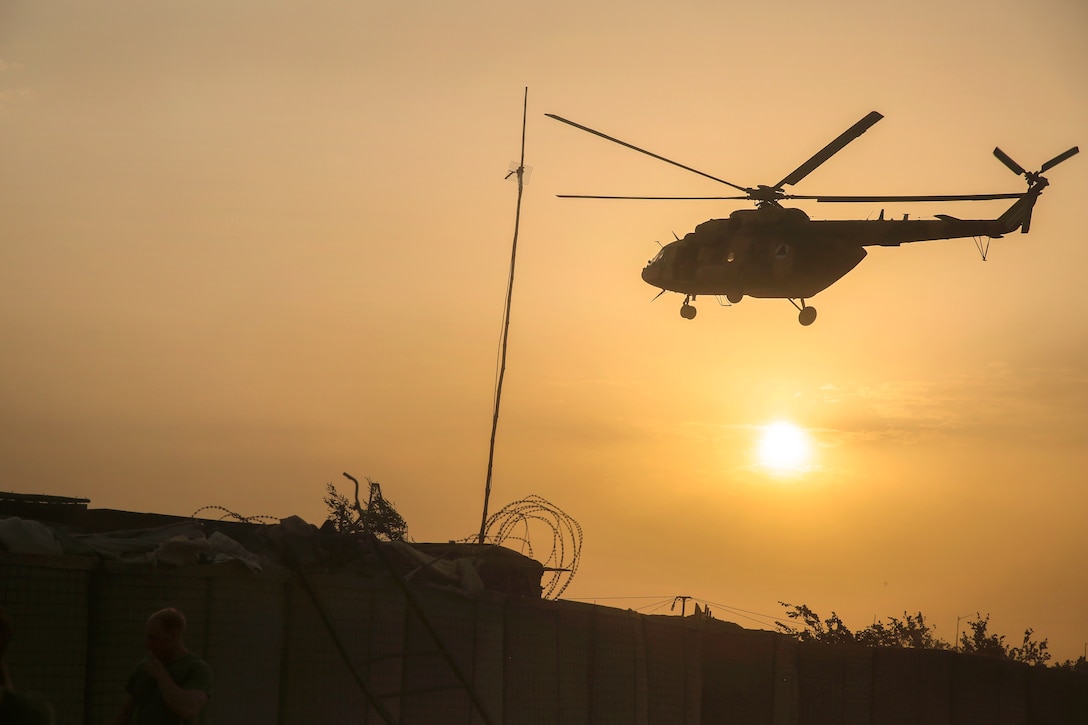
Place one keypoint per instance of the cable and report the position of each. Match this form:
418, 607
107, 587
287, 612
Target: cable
738, 612
767, 619
656, 606
593, 599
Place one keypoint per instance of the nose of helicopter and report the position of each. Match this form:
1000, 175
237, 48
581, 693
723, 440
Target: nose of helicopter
650, 273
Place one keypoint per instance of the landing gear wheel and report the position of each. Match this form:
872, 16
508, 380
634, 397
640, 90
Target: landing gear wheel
688, 312
734, 297
807, 316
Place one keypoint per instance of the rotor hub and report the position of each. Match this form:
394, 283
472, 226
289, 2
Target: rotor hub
763, 193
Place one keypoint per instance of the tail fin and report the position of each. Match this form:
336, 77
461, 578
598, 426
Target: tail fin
1019, 214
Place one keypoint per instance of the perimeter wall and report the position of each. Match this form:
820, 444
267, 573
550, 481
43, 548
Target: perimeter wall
78, 632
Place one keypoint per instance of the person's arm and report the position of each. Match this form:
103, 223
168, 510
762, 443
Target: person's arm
185, 703
124, 716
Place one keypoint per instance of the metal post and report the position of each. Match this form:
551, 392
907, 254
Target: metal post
506, 323
956, 643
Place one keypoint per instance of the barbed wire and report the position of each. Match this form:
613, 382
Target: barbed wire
261, 519
512, 524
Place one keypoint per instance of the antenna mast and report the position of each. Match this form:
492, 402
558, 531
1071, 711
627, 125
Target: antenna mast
520, 171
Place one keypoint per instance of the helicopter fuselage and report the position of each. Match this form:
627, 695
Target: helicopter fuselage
754, 253
776, 252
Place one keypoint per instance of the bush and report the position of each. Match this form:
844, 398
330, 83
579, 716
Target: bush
379, 517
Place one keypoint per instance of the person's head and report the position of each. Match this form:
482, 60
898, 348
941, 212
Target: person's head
164, 632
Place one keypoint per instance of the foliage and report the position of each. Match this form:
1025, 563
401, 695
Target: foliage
830, 631
910, 632
1031, 652
378, 517
915, 633
1079, 665
993, 645
981, 642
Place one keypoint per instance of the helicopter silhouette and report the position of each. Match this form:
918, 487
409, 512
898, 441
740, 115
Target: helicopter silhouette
779, 252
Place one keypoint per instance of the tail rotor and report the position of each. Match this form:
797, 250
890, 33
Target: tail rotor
1033, 177
1036, 181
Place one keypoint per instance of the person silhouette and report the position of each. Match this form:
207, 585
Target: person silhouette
171, 686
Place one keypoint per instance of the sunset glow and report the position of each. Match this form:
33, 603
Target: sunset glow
784, 448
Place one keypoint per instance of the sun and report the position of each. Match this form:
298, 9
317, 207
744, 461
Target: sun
783, 448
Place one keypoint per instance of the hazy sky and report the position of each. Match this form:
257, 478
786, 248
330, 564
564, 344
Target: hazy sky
246, 246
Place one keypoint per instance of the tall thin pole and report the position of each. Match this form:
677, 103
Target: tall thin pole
957, 646
506, 322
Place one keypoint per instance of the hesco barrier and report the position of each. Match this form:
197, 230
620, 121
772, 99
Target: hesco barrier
349, 649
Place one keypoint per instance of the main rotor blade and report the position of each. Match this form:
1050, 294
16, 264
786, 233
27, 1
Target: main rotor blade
587, 129
1059, 158
1007, 160
830, 150
931, 197
668, 198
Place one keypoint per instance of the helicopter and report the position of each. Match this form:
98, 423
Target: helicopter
779, 252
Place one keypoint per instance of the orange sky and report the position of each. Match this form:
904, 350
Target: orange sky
247, 246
